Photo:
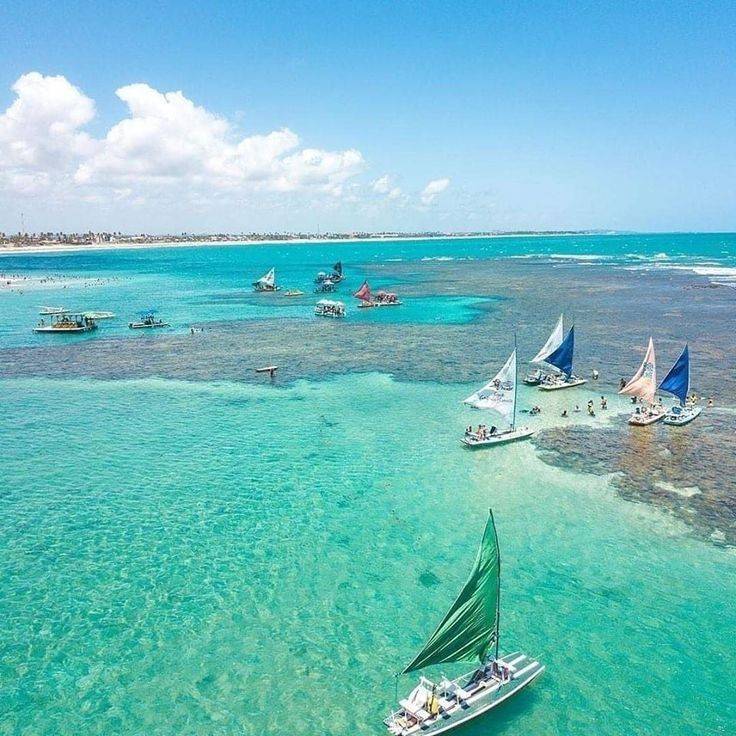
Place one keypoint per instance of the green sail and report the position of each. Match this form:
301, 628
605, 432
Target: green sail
470, 627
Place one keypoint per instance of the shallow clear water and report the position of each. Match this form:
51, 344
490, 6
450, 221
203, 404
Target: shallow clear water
223, 558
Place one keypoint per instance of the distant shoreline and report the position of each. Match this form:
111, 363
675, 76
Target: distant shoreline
7, 249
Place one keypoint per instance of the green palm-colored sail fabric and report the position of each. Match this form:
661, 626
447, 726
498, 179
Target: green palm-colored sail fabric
470, 627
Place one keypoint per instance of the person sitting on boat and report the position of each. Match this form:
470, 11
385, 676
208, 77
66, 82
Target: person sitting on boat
469, 430
493, 430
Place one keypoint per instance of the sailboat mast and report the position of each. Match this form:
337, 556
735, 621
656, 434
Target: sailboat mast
498, 594
516, 384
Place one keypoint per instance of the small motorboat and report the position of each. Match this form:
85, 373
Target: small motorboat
326, 286
328, 308
100, 315
148, 321
293, 292
678, 416
67, 323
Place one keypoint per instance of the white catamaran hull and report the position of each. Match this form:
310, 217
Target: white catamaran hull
479, 699
557, 385
683, 417
644, 419
499, 438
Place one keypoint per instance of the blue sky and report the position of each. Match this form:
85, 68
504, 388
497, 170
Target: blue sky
530, 115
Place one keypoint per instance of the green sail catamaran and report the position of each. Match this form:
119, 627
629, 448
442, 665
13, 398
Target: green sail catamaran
469, 630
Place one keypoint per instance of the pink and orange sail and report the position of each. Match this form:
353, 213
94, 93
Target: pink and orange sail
364, 293
643, 383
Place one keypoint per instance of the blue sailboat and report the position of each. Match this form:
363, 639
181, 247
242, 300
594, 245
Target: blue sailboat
677, 383
561, 360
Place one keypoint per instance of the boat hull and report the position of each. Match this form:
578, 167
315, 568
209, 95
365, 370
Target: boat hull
560, 386
501, 438
141, 326
644, 420
684, 417
488, 698
62, 330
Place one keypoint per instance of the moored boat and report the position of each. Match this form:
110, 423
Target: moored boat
643, 387
534, 378
677, 383
48, 311
267, 282
328, 308
469, 630
336, 276
66, 323
499, 396
560, 360
378, 299
326, 286
293, 292
148, 321
100, 315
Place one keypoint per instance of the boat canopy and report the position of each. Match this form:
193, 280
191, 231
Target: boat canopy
499, 394
553, 342
329, 303
364, 293
677, 381
470, 627
643, 383
561, 358
269, 279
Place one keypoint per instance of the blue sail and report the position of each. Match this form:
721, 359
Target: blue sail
677, 381
562, 357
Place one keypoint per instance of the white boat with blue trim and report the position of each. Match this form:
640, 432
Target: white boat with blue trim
677, 383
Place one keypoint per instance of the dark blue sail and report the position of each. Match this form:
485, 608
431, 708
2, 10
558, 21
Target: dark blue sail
677, 381
562, 357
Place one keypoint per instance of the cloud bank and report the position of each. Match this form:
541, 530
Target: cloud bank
165, 142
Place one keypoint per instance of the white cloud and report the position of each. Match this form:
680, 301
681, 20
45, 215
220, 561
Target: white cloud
166, 144
433, 189
40, 133
385, 185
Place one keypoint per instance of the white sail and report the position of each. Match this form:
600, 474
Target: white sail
553, 342
643, 383
269, 279
499, 394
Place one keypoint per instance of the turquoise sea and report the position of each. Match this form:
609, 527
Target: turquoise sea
219, 556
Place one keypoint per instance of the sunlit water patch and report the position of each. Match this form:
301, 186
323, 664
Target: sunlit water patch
221, 558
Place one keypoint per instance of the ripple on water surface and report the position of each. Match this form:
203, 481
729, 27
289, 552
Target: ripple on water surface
218, 559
